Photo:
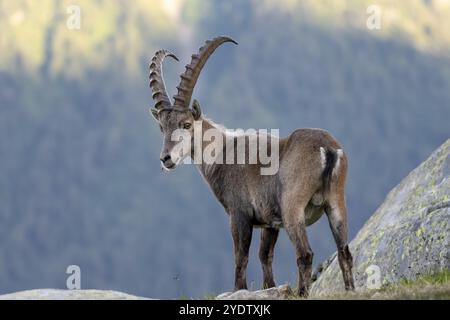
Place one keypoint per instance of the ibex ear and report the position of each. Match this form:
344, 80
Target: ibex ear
196, 111
154, 113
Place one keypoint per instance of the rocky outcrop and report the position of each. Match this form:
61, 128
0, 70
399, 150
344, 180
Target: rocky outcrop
409, 234
55, 294
278, 293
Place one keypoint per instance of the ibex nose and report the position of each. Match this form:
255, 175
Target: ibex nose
165, 158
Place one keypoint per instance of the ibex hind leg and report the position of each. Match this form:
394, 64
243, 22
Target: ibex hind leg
295, 225
337, 217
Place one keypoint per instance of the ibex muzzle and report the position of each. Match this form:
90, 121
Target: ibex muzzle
310, 179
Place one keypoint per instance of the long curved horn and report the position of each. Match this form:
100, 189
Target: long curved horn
159, 93
190, 76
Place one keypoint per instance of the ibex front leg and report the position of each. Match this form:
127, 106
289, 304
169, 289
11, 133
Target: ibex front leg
241, 230
268, 239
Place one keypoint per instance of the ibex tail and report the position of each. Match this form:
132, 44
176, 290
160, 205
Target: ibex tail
332, 160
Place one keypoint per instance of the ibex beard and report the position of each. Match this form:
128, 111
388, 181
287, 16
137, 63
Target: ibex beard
218, 145
306, 176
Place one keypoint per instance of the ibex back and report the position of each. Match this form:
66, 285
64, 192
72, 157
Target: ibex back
310, 179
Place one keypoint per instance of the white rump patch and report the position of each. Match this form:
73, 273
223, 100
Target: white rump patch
339, 153
323, 157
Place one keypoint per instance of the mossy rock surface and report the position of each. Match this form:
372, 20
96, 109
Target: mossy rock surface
409, 234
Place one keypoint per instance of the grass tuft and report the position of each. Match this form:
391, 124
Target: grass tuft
424, 287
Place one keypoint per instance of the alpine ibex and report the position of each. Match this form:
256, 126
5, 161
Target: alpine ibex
310, 179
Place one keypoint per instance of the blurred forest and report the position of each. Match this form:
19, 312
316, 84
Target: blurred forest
80, 179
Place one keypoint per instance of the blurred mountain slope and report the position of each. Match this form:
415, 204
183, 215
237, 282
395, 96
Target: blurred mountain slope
80, 181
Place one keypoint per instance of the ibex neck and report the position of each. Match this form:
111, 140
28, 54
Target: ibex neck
206, 168
209, 124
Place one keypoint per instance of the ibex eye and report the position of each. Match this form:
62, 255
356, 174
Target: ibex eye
186, 125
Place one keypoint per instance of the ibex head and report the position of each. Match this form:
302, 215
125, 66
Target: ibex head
178, 115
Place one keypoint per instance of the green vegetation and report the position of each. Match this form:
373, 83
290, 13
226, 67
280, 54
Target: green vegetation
80, 181
438, 278
433, 286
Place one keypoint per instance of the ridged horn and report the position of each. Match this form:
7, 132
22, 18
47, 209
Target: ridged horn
159, 93
189, 77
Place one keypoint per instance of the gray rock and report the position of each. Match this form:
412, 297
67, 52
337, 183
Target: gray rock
277, 293
409, 234
55, 294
